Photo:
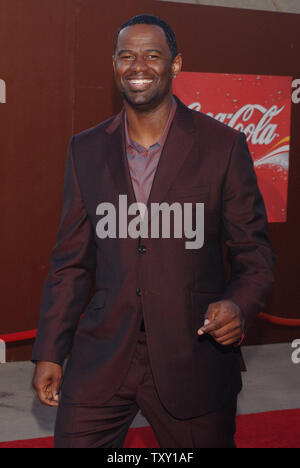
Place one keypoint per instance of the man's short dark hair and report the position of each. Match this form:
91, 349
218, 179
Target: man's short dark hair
151, 19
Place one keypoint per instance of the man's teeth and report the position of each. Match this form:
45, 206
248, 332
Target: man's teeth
138, 82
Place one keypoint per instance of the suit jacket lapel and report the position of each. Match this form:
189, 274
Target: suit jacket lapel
117, 158
178, 145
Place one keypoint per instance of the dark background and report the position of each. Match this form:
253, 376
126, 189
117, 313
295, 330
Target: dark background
55, 57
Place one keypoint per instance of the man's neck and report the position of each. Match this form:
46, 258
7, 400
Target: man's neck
146, 127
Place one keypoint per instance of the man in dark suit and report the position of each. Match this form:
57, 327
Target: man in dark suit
163, 328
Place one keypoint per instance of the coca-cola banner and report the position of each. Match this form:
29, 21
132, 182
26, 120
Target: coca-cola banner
259, 106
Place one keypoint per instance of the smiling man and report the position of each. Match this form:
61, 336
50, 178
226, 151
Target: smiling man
163, 328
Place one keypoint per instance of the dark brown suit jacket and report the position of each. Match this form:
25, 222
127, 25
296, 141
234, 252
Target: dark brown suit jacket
202, 161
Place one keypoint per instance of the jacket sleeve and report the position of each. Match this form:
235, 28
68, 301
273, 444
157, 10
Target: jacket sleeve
245, 231
71, 275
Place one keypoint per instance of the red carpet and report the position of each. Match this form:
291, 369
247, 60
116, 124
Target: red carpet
275, 429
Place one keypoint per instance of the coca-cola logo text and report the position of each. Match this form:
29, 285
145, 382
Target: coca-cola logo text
254, 120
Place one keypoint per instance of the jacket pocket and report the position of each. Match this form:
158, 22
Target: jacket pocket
94, 314
99, 299
198, 194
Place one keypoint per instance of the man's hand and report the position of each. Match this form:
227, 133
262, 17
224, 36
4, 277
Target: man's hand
46, 381
224, 322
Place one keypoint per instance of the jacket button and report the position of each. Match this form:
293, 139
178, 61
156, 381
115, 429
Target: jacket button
138, 292
142, 249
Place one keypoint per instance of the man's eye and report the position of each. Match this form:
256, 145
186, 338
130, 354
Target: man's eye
151, 56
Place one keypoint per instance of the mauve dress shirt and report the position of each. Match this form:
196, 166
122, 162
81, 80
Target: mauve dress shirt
142, 162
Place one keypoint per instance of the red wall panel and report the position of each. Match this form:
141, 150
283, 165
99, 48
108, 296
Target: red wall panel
36, 62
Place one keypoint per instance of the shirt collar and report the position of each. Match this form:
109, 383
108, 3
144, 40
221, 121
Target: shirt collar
133, 144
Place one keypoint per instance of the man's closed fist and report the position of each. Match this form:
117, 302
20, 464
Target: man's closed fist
224, 321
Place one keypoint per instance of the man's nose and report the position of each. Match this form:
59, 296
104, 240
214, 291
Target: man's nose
139, 64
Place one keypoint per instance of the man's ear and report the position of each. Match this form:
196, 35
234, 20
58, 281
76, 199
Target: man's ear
177, 64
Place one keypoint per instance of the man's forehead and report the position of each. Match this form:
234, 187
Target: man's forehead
145, 35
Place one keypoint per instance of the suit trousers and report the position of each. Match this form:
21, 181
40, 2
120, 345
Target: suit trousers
106, 426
